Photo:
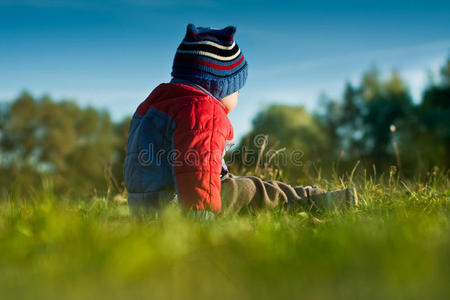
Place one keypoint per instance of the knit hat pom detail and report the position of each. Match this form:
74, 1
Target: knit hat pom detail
226, 34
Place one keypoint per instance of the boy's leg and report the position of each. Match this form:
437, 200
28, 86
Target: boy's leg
320, 198
249, 192
243, 192
149, 205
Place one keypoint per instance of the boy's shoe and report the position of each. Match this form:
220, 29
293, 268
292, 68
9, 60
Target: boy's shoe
322, 199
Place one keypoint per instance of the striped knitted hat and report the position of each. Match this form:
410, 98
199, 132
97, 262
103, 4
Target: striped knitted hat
211, 58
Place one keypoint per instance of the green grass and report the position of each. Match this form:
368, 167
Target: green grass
395, 245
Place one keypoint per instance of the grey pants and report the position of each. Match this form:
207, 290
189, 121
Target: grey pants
240, 193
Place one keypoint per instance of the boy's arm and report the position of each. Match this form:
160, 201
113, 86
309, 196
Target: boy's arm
199, 142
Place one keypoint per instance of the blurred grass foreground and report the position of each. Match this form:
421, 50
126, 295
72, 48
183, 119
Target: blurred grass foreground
395, 245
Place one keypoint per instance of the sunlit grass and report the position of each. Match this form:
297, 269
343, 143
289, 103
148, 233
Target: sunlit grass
395, 245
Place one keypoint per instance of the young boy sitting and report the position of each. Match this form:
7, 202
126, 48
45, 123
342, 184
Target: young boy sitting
178, 134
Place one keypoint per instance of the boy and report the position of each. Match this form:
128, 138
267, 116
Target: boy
178, 134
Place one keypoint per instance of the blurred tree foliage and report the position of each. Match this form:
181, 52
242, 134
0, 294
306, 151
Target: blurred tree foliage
431, 128
78, 148
368, 118
82, 150
375, 123
281, 137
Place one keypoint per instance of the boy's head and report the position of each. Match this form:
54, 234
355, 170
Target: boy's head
211, 58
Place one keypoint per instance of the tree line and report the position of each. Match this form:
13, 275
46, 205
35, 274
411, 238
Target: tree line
375, 124
78, 149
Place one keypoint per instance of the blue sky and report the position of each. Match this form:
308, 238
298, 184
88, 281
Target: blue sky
111, 54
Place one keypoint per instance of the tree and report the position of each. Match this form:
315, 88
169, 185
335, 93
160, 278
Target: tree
60, 140
432, 130
287, 127
388, 105
362, 120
